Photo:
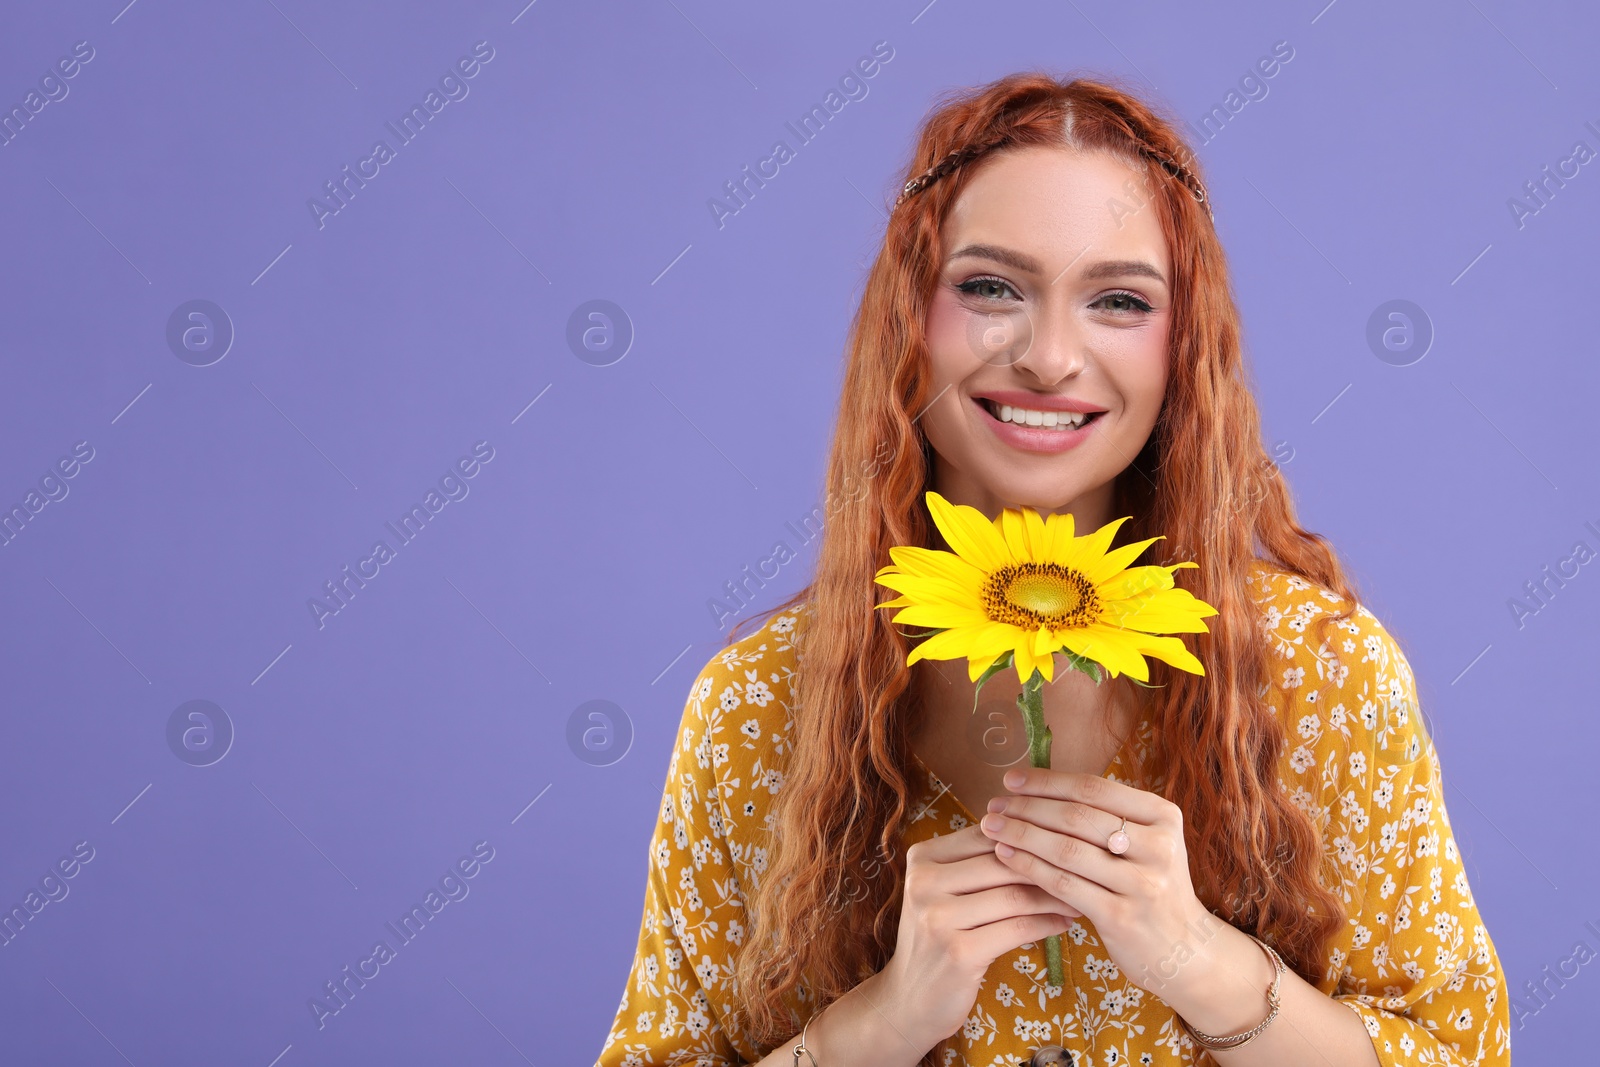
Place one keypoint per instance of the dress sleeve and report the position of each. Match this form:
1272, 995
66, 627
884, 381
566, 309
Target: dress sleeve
675, 1000
1415, 960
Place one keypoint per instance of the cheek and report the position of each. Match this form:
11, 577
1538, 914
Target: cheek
1152, 378
1140, 366
946, 332
949, 362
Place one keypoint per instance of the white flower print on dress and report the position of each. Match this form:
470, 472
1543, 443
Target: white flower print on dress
1413, 960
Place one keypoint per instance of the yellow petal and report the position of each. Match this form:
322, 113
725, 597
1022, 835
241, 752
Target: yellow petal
1184, 602
1076, 640
940, 564
1173, 651
952, 644
969, 533
941, 616
931, 590
1107, 566
1025, 662
1093, 546
1133, 582
1114, 650
1192, 603
1155, 614
1058, 536
1038, 538
1024, 533
994, 639
1015, 534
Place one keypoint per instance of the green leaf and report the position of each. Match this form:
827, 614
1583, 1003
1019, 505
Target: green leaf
1146, 685
1082, 663
998, 665
920, 636
1094, 669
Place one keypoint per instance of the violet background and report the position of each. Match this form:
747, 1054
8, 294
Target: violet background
433, 309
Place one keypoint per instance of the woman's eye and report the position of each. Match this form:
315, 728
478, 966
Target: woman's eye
986, 288
1124, 303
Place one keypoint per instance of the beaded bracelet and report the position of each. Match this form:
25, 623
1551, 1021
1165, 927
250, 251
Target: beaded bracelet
1236, 1040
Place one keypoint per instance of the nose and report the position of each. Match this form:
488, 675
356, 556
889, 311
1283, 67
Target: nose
1054, 351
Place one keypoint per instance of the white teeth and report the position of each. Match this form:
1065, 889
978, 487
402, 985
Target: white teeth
1051, 420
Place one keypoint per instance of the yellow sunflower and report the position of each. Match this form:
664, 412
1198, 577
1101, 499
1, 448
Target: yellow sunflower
1022, 588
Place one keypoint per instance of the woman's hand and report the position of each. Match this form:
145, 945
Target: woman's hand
1054, 829
961, 910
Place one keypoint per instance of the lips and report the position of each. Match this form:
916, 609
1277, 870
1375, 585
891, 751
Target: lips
1035, 438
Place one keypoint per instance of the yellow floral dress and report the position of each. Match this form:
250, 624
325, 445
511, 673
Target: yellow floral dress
1414, 961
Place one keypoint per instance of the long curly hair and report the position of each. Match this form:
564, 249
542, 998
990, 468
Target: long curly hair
1203, 480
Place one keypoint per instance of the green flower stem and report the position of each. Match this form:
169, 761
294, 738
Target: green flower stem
1031, 703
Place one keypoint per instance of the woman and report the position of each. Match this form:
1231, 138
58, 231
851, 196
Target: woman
1249, 867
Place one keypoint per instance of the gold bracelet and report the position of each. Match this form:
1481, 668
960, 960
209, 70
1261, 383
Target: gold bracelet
1236, 1040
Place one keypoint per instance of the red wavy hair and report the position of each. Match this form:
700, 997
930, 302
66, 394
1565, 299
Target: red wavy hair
1203, 480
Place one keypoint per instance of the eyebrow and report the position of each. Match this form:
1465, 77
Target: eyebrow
1106, 268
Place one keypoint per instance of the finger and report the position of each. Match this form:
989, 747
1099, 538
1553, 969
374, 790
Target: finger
992, 905
1064, 852
1118, 798
1000, 937
956, 846
1087, 824
1091, 824
978, 873
1088, 896
964, 862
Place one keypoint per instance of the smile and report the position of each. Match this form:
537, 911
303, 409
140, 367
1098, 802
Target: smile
1048, 420
1026, 431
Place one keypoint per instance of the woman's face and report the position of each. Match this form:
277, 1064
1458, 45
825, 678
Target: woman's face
1055, 294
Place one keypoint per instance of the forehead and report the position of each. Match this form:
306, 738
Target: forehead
1054, 203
